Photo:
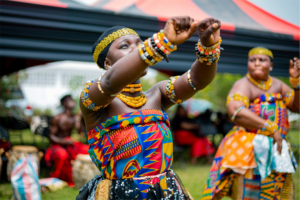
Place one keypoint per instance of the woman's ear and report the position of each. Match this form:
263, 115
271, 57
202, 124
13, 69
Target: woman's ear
271, 66
107, 64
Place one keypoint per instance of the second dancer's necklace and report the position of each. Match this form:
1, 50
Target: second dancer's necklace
263, 85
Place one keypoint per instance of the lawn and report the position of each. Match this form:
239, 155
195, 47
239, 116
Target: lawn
193, 177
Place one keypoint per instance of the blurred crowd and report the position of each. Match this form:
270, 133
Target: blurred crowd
194, 132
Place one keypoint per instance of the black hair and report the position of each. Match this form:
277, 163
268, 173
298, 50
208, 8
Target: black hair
62, 100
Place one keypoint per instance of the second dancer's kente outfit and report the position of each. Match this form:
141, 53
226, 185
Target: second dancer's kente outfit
247, 164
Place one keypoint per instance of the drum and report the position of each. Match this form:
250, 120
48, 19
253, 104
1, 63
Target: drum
84, 170
18, 152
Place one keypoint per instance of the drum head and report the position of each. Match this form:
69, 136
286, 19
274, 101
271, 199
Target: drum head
24, 148
84, 157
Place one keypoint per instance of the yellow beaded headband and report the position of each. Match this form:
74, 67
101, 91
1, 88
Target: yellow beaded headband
260, 50
109, 39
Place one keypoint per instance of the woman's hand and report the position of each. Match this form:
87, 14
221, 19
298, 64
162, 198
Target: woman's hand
294, 69
278, 139
209, 31
179, 29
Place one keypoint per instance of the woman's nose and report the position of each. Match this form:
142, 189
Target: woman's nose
134, 47
257, 62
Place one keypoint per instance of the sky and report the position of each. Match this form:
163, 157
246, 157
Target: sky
288, 10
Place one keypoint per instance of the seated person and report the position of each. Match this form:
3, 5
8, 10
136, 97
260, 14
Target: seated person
63, 148
187, 132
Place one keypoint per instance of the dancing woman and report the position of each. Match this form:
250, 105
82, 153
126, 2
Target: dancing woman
129, 136
254, 161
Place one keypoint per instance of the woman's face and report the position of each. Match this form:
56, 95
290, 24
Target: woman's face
121, 47
259, 66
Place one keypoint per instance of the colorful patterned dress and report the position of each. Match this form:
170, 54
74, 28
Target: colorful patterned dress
134, 151
247, 165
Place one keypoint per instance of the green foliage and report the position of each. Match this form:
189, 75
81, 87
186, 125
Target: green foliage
217, 91
10, 89
76, 83
10, 82
39, 112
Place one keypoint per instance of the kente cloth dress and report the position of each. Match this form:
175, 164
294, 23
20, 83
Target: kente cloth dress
247, 165
134, 151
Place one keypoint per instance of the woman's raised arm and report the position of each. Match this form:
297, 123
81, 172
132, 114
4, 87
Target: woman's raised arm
203, 69
127, 61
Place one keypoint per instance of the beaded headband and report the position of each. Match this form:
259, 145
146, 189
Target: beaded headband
260, 50
109, 39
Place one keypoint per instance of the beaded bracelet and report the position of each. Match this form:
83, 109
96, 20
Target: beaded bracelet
143, 56
148, 43
208, 55
269, 128
158, 43
236, 112
148, 56
295, 82
166, 41
170, 90
190, 80
86, 99
100, 88
158, 50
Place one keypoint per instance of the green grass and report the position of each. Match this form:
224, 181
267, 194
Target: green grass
193, 177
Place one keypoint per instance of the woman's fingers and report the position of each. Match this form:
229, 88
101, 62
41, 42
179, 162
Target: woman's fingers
208, 26
182, 23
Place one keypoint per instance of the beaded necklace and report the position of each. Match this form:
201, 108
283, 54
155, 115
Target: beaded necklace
132, 88
133, 101
263, 85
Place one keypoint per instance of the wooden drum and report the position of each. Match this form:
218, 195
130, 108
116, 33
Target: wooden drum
18, 152
84, 170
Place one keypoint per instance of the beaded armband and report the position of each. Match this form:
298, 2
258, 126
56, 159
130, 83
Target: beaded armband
236, 112
295, 82
208, 55
268, 129
155, 49
190, 80
86, 99
100, 88
289, 97
238, 97
170, 90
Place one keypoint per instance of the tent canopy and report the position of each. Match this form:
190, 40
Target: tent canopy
39, 31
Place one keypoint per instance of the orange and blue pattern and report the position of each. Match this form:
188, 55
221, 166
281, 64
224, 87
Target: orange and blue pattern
133, 145
233, 171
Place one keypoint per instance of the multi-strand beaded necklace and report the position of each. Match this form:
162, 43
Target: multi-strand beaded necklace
263, 85
133, 101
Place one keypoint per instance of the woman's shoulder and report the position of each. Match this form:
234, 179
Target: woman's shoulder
241, 83
276, 80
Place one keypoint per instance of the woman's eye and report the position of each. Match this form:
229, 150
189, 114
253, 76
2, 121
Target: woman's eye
123, 46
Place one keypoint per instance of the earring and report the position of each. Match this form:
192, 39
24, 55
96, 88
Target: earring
108, 67
271, 69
